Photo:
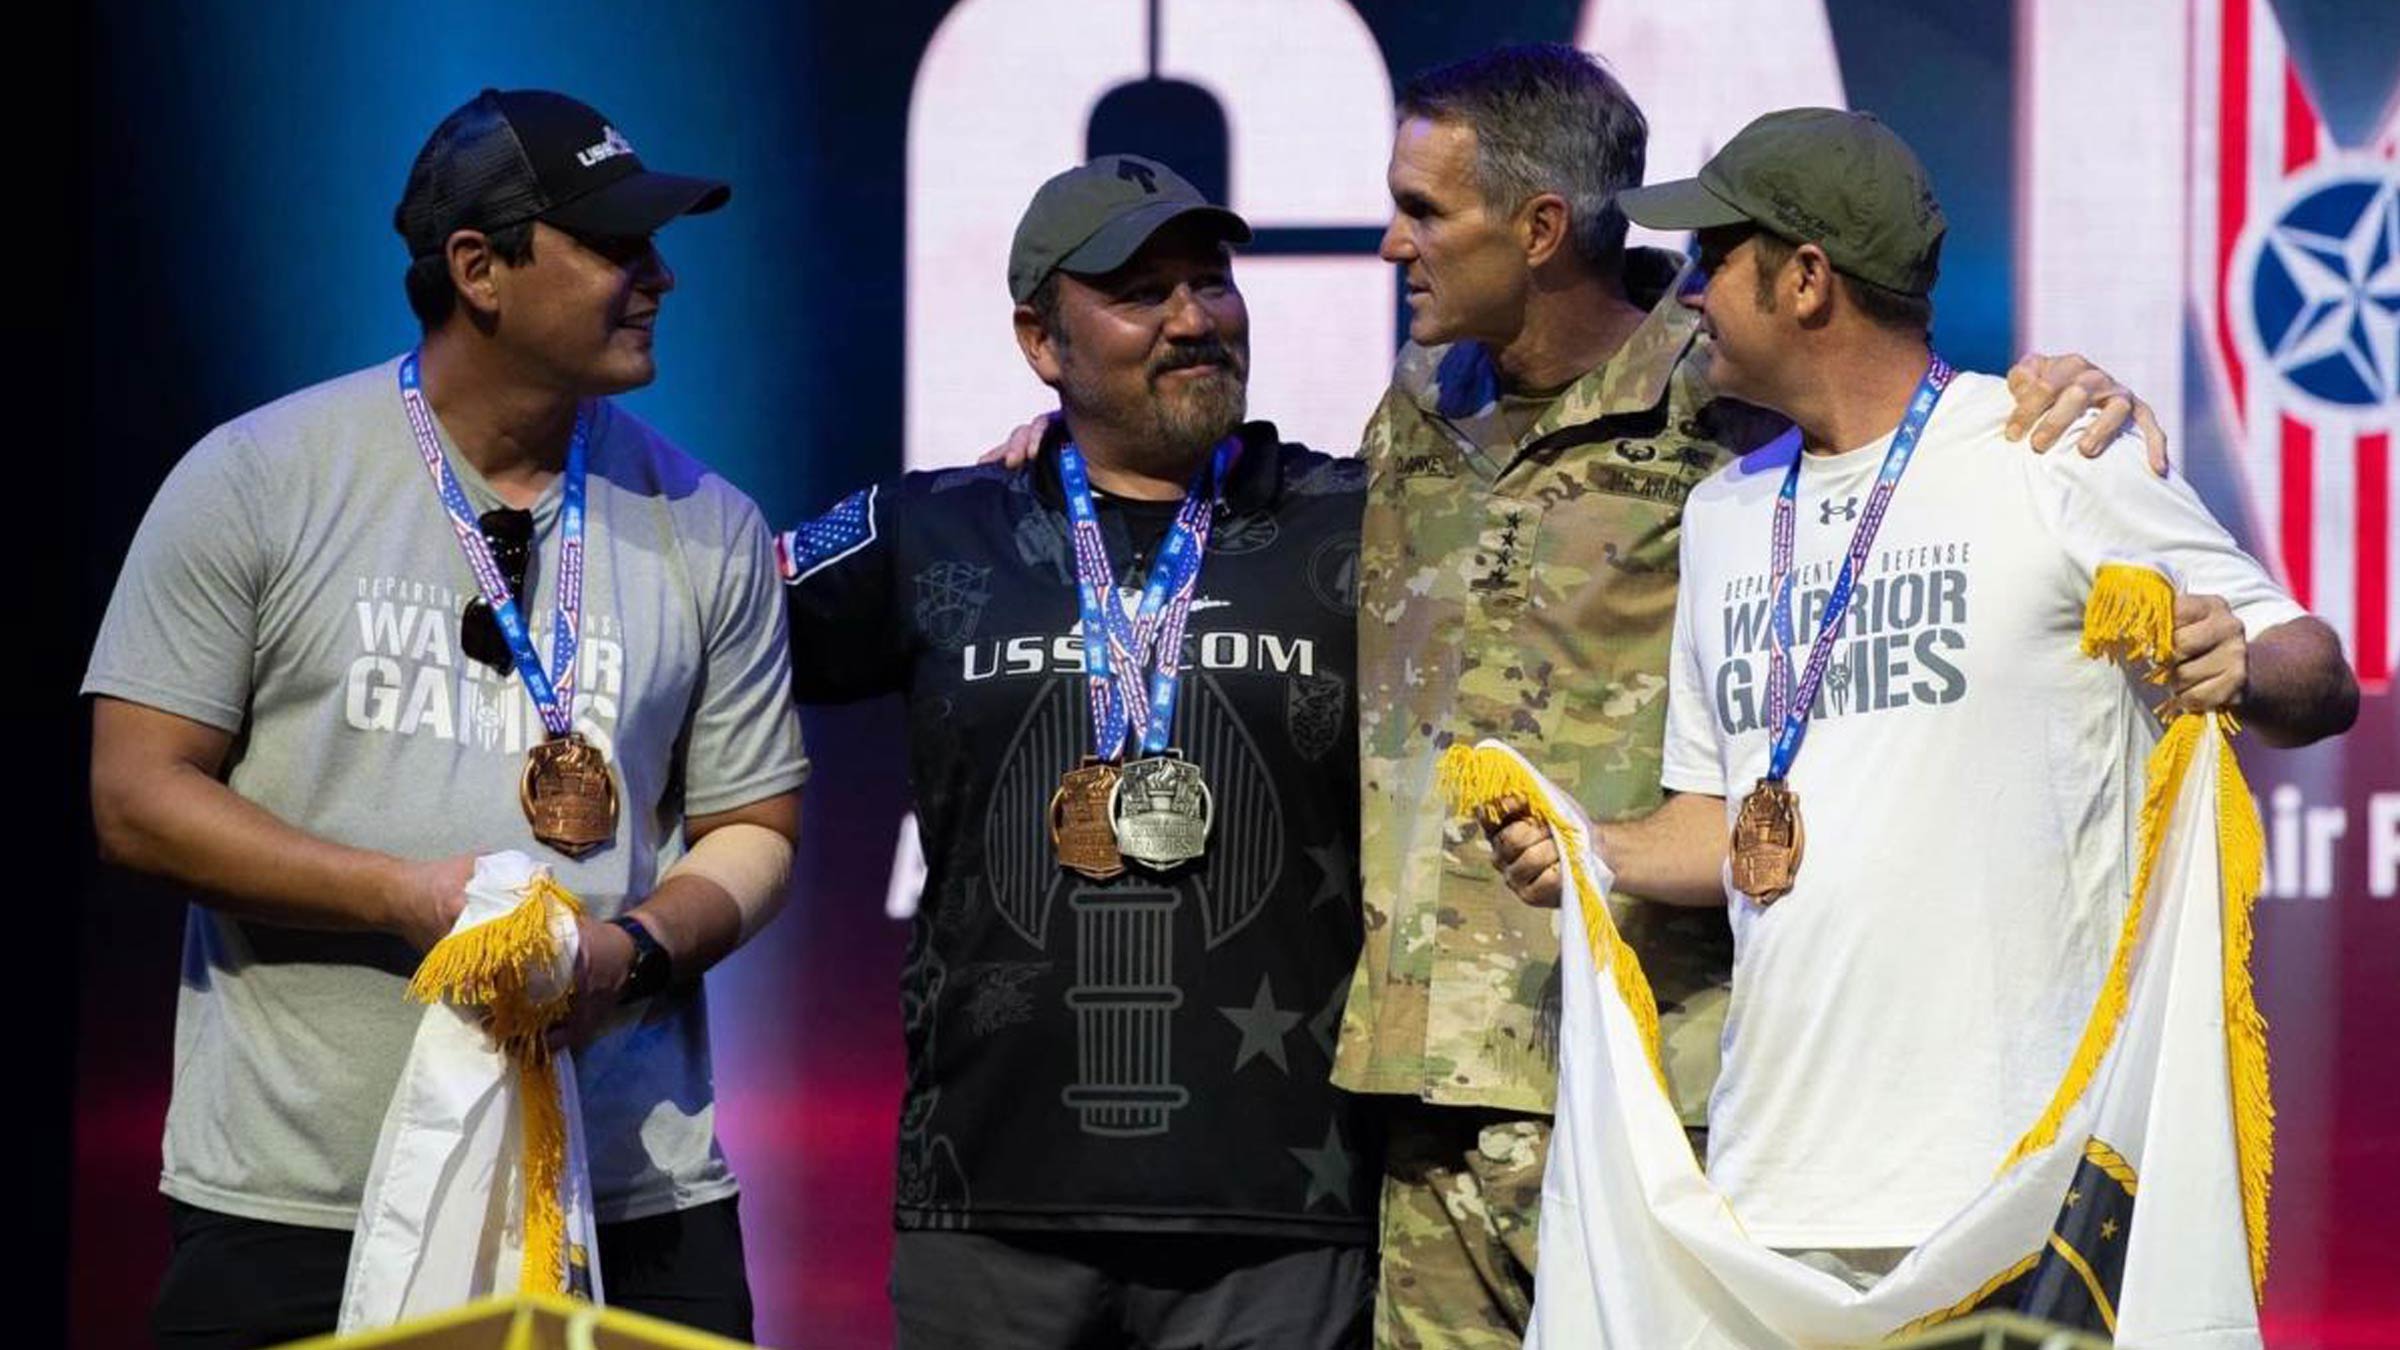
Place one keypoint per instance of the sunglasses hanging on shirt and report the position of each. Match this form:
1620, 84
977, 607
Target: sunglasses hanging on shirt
508, 532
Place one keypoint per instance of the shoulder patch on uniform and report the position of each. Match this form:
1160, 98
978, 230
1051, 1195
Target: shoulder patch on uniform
850, 526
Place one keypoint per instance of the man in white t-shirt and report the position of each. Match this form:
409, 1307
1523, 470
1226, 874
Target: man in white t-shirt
1909, 984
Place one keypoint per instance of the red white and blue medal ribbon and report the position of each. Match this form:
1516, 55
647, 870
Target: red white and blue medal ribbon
1769, 838
1119, 652
1788, 707
1157, 808
552, 689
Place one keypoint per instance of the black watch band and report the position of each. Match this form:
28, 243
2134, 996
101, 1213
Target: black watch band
652, 968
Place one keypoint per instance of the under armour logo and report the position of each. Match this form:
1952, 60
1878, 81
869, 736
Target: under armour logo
1826, 510
1138, 173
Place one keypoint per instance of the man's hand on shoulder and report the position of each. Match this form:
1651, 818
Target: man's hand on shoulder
1022, 444
2052, 392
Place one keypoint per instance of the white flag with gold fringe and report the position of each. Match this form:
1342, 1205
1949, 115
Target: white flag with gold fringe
480, 1183
2134, 1207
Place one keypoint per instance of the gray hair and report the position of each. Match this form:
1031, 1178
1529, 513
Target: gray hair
1546, 118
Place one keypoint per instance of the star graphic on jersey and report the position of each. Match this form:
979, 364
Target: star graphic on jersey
1328, 1169
2348, 297
1263, 1027
1334, 870
1326, 1026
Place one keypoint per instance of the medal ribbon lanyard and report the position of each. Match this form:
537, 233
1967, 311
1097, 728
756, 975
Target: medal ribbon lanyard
553, 691
1787, 708
1117, 650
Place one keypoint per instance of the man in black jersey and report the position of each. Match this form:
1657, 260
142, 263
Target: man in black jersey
1118, 1125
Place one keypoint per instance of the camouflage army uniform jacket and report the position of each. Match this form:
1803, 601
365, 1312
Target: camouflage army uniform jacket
1522, 587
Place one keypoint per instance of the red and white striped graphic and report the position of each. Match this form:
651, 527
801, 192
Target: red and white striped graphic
2323, 497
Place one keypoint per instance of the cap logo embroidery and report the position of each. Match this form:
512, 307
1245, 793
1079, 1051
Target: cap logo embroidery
1797, 218
609, 146
1138, 173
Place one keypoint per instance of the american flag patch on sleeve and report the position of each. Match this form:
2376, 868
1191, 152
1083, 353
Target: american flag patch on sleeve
840, 532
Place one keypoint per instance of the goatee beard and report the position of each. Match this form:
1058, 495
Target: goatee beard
1207, 415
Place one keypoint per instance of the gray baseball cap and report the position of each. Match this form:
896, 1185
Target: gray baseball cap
1093, 217
1840, 180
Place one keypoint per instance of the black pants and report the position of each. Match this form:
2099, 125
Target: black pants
235, 1282
1073, 1291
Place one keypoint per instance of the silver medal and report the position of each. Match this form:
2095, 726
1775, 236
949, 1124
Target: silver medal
1162, 809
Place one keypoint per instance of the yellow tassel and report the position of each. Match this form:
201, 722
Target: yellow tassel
2131, 616
491, 966
1474, 781
545, 1264
2241, 846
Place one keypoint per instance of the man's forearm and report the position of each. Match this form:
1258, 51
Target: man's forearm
180, 823
2299, 689
1675, 855
695, 919
727, 887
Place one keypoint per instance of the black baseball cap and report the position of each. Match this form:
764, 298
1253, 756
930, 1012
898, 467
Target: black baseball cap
1095, 216
510, 156
1840, 180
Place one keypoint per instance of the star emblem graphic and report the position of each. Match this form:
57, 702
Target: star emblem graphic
1328, 1169
1334, 871
2108, 1229
1326, 1026
953, 583
1263, 1027
2325, 294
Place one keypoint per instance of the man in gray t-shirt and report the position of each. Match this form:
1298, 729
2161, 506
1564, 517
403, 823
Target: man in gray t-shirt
305, 710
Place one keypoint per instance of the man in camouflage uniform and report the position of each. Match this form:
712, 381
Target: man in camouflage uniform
1517, 579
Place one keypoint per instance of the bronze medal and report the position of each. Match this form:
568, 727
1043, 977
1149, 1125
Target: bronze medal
569, 795
1079, 825
1162, 810
1768, 840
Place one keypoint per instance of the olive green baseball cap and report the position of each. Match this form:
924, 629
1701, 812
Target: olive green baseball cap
1840, 180
1095, 216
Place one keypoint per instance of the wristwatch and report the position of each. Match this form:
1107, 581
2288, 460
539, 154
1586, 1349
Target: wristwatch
652, 968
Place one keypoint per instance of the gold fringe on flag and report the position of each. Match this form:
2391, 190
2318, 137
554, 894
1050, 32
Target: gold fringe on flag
2131, 615
2241, 851
1475, 780
544, 1268
491, 967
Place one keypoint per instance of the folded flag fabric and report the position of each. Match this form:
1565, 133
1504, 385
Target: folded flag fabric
480, 1183
2136, 1206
